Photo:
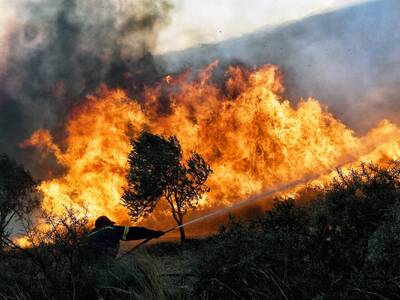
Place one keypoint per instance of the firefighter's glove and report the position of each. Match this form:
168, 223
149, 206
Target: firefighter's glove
157, 234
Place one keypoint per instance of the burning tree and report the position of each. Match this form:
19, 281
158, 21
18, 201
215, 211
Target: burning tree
16, 193
157, 172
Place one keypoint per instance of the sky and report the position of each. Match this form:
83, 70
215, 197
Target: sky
195, 22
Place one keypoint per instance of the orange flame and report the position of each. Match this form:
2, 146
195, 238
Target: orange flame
252, 138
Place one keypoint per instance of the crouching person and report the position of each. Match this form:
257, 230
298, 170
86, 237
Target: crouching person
103, 241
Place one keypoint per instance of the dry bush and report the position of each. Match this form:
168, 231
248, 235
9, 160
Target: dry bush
343, 245
58, 266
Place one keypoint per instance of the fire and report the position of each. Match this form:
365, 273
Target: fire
95, 155
252, 138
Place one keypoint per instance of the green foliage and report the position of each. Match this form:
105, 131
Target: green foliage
156, 172
344, 245
153, 163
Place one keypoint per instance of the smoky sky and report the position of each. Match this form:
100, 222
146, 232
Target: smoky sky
349, 59
58, 51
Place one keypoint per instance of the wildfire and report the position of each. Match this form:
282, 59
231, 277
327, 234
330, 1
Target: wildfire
252, 138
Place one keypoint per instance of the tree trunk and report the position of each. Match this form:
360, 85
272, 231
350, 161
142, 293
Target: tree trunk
182, 231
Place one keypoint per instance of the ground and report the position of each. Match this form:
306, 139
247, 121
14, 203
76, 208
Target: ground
177, 262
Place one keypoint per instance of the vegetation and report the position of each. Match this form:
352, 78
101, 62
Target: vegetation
57, 266
344, 244
157, 172
16, 194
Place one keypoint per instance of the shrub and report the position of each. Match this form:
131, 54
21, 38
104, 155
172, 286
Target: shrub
17, 195
57, 266
345, 244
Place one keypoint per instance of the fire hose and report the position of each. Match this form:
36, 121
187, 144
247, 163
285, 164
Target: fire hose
242, 203
254, 198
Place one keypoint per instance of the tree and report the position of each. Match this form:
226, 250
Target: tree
157, 172
16, 193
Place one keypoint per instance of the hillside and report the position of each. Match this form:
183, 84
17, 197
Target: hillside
348, 59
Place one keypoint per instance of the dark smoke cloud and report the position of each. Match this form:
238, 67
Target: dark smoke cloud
349, 59
60, 50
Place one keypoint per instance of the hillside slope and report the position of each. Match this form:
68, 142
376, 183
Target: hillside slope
349, 59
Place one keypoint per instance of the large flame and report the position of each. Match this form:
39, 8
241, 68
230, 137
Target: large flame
252, 138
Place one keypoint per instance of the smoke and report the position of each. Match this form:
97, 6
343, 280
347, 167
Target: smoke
349, 59
212, 21
54, 52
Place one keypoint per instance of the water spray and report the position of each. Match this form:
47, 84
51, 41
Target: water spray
254, 198
245, 202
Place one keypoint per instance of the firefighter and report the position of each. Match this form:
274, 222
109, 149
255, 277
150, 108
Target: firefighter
103, 240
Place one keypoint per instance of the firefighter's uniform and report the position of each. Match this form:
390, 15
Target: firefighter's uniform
104, 240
